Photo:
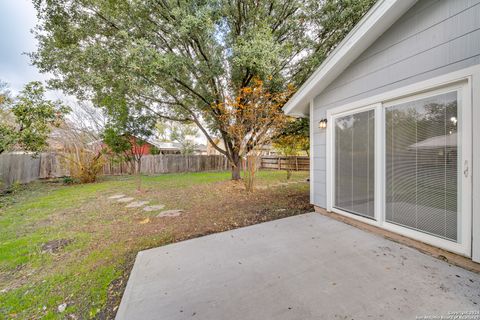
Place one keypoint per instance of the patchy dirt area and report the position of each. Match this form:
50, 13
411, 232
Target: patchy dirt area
67, 251
55, 245
220, 207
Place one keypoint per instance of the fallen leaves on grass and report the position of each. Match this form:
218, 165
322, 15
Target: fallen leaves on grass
145, 221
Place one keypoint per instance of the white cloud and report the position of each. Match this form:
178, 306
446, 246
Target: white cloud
17, 18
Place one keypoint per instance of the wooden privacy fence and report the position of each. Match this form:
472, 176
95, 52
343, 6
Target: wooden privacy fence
170, 163
24, 168
284, 163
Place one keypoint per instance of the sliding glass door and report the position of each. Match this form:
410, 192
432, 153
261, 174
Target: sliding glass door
422, 140
404, 165
355, 163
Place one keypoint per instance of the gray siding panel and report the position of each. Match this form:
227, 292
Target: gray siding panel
433, 38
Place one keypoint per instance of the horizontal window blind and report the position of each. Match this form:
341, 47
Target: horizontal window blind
421, 165
354, 163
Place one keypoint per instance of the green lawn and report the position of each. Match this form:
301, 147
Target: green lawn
99, 237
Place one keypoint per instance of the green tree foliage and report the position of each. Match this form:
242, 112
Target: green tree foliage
126, 134
27, 119
154, 150
162, 130
4, 93
293, 139
184, 134
180, 59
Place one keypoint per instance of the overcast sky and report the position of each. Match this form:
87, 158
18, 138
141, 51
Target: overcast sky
17, 18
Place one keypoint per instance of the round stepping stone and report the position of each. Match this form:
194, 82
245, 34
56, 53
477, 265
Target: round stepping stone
136, 204
127, 199
117, 196
170, 213
154, 208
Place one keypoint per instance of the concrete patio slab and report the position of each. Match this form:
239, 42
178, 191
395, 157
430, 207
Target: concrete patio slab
303, 267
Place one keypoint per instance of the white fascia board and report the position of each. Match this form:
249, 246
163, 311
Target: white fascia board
375, 22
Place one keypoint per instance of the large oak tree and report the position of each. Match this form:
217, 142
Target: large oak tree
180, 59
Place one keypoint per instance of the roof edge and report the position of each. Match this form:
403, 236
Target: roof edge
375, 22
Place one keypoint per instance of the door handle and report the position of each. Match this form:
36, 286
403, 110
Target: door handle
465, 168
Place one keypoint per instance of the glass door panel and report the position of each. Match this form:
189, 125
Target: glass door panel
355, 163
421, 165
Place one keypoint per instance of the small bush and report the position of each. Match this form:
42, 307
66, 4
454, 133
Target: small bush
154, 150
84, 165
69, 180
15, 187
12, 189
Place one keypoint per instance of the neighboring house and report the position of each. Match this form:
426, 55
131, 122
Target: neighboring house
139, 148
211, 149
200, 149
394, 114
167, 147
175, 148
153, 146
267, 150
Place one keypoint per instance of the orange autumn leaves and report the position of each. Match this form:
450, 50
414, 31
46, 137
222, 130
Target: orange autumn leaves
254, 116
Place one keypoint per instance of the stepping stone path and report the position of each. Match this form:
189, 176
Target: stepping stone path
154, 208
117, 196
136, 204
170, 213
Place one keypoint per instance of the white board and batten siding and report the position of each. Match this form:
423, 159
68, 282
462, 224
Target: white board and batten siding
431, 39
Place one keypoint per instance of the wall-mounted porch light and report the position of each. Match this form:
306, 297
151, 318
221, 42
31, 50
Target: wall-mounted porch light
322, 124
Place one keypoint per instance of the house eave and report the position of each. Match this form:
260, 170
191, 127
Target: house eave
375, 22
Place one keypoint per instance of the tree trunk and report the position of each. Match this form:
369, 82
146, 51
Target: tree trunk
236, 167
289, 174
139, 176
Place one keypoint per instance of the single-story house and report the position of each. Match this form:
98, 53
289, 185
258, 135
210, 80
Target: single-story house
154, 146
176, 148
395, 123
264, 150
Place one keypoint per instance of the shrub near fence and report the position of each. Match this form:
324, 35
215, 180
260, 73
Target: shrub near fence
284, 163
24, 168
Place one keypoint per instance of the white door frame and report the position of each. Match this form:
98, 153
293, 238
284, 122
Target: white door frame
460, 80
